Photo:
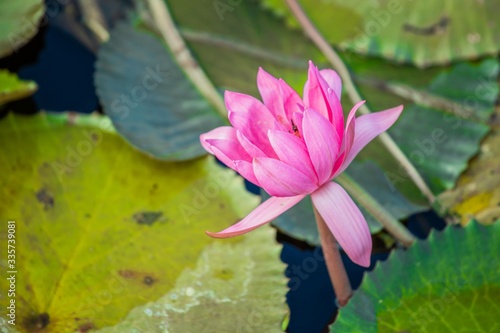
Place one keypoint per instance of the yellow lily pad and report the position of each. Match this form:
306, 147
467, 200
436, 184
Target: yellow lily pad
12, 88
99, 227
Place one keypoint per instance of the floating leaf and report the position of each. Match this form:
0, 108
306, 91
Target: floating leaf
101, 228
11, 88
477, 193
439, 138
420, 32
19, 21
449, 283
148, 97
233, 288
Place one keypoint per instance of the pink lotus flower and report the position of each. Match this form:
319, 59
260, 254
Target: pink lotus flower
293, 147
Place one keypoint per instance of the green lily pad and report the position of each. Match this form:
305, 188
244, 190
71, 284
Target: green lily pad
449, 283
101, 228
11, 88
441, 143
423, 33
19, 20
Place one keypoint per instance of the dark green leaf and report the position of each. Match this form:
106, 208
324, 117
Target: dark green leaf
148, 97
449, 283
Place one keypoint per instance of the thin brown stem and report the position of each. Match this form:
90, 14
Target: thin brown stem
422, 97
182, 55
334, 264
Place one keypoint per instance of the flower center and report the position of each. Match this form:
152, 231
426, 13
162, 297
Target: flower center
295, 130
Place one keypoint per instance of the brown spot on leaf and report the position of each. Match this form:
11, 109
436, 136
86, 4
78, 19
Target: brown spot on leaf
44, 197
224, 274
86, 327
153, 189
148, 280
494, 119
128, 273
142, 277
147, 218
434, 29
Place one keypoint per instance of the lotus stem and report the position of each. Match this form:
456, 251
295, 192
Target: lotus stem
334, 264
421, 97
354, 95
165, 24
392, 225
